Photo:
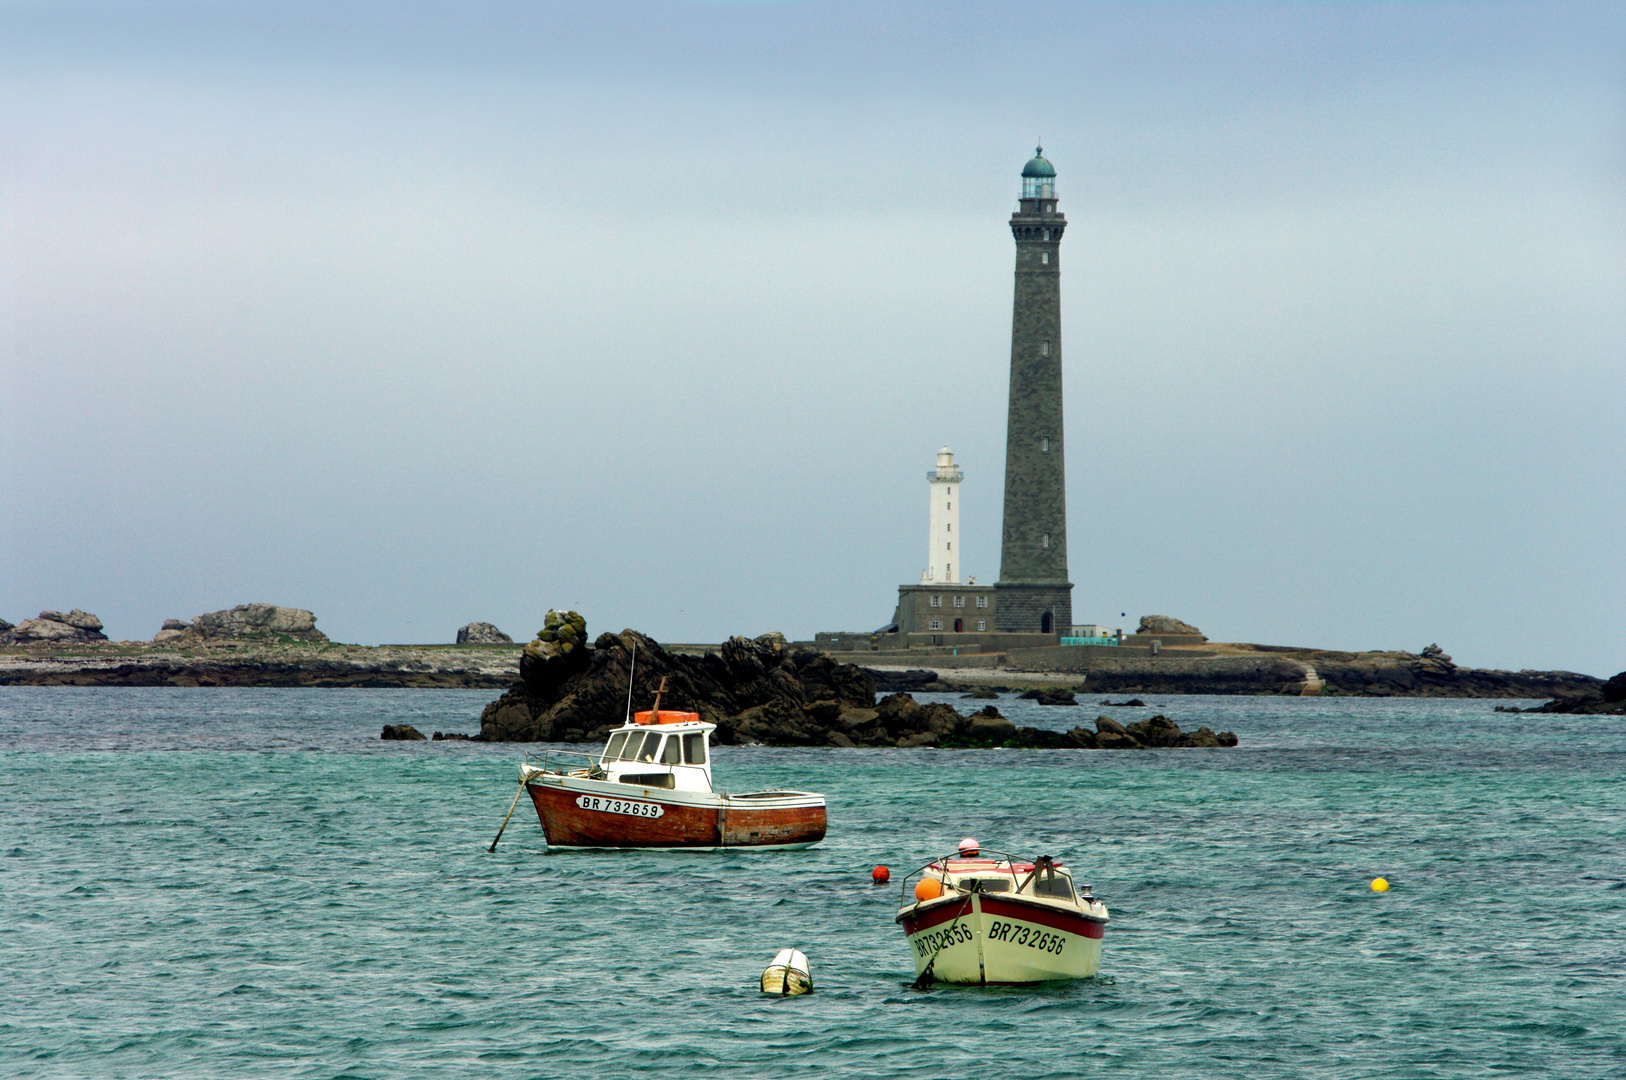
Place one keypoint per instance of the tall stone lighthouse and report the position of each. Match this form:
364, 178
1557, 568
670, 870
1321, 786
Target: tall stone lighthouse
1033, 594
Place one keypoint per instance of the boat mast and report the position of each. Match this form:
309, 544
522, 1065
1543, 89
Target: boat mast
632, 670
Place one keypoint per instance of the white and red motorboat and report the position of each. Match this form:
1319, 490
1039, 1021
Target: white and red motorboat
987, 917
651, 788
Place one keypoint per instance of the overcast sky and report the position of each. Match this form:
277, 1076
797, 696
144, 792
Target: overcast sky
414, 314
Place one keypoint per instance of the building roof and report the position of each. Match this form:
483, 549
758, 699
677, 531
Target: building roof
1038, 166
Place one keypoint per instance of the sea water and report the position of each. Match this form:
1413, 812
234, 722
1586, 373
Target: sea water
248, 883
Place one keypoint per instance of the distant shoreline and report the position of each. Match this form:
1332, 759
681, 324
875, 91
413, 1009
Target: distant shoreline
1219, 669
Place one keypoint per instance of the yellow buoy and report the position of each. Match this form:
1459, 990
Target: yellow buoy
1380, 884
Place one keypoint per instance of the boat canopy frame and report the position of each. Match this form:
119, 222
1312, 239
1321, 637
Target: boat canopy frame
1041, 863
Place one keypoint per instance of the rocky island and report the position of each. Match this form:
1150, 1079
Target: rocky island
273, 645
248, 645
759, 691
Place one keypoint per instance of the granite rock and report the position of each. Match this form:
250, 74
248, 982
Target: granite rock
257, 621
54, 626
483, 633
1162, 624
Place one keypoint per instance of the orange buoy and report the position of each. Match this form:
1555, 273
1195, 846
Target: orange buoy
928, 888
880, 875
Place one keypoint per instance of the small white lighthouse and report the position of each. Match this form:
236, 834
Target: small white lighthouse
943, 557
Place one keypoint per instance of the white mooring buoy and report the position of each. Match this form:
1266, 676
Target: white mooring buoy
788, 975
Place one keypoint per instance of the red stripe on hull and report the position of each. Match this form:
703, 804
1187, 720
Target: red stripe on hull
1055, 918
566, 824
943, 911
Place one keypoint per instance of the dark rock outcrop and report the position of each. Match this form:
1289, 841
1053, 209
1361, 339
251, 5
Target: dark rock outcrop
762, 691
54, 626
753, 690
1157, 731
402, 733
1132, 703
1609, 699
981, 693
482, 633
450, 736
1050, 695
911, 681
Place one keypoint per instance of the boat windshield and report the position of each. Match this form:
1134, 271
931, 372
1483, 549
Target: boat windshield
694, 748
986, 884
1055, 885
646, 751
613, 750
669, 753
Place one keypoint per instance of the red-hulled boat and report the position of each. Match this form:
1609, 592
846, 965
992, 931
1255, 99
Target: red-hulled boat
651, 788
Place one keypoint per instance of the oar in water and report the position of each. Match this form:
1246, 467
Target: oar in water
510, 814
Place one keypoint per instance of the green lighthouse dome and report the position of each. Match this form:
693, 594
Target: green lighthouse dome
1039, 180
1039, 168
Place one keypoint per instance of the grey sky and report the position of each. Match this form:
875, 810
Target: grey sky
413, 315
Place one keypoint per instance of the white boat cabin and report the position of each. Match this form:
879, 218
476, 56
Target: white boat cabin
662, 749
1048, 881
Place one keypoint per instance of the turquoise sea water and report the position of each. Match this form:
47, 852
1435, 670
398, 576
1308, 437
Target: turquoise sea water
248, 883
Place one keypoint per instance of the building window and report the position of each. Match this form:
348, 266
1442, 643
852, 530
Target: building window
951, 506
951, 491
1044, 258
948, 527
1044, 541
948, 547
948, 571
1047, 238
936, 624
1044, 348
959, 601
982, 601
937, 601
1044, 444
982, 624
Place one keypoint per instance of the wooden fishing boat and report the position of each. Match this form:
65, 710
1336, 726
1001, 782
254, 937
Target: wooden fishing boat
987, 917
651, 787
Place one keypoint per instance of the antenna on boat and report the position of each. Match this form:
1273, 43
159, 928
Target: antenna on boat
631, 671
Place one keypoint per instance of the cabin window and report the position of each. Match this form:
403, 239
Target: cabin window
670, 754
1053, 886
645, 751
617, 741
986, 884
694, 748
